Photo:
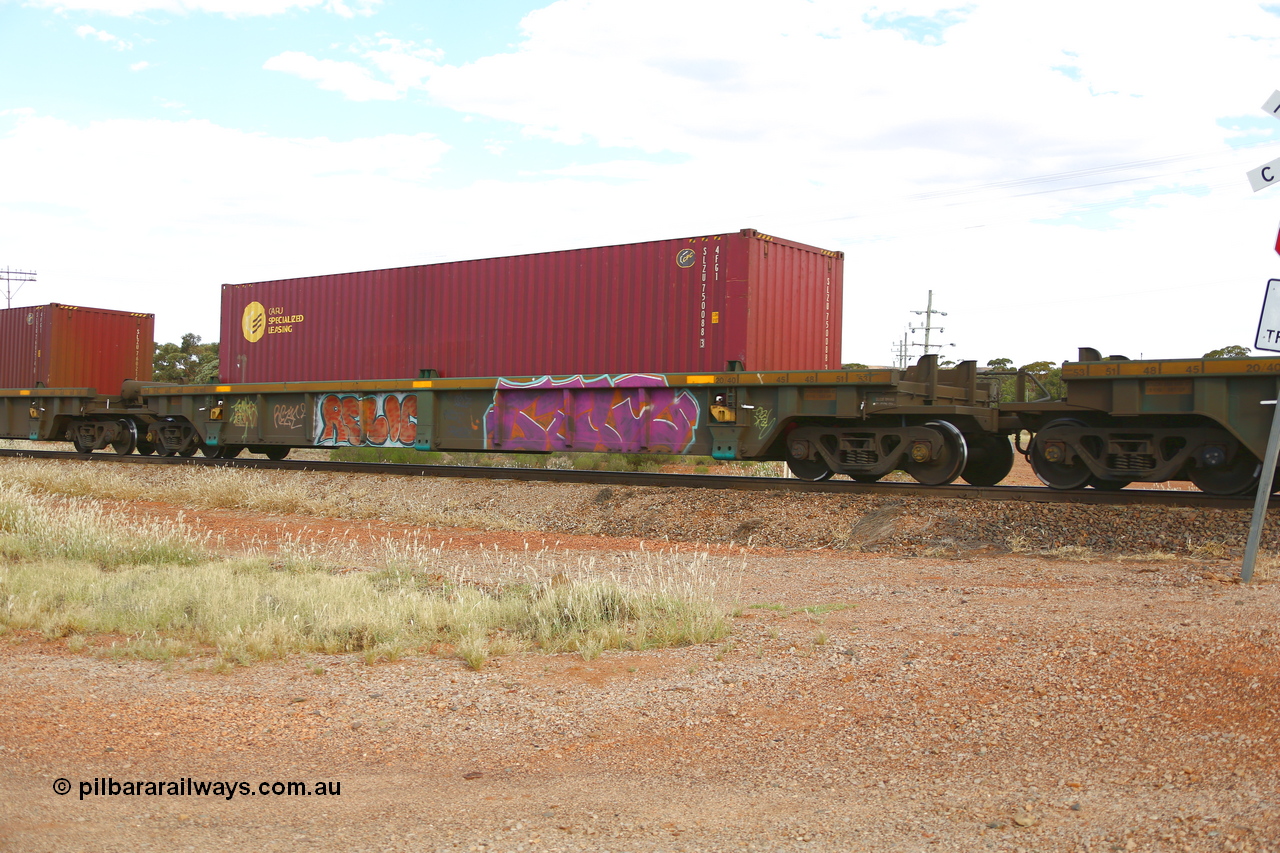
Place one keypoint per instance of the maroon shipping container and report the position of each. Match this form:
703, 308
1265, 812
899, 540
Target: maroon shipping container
685, 305
66, 346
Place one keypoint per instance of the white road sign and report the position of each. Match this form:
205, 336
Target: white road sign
1273, 104
1268, 173
1268, 337
1265, 175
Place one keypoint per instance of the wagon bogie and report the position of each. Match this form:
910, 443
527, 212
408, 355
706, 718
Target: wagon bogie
119, 435
174, 437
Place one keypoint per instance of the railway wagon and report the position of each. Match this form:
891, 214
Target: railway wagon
936, 424
1123, 421
692, 304
1120, 421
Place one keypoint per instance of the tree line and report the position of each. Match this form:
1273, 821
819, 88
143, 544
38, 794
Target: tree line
187, 363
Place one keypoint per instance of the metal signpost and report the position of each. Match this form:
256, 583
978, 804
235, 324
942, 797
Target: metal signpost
1267, 338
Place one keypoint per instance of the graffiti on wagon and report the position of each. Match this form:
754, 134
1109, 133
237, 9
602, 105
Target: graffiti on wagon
624, 413
382, 420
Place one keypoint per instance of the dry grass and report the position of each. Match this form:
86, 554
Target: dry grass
154, 591
1147, 557
286, 493
1266, 567
1208, 550
1018, 544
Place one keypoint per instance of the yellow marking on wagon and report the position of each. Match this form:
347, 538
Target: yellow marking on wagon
1140, 368
1237, 365
1131, 368
422, 383
700, 380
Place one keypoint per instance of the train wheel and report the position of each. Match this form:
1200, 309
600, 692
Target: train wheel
942, 467
276, 452
190, 448
814, 470
127, 440
145, 447
161, 450
1234, 478
1047, 459
80, 444
866, 478
211, 451
990, 460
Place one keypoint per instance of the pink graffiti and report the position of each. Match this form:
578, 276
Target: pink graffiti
631, 413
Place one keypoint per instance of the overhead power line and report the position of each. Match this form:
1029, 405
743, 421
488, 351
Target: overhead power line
9, 276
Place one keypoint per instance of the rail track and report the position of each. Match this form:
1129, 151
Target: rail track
1040, 494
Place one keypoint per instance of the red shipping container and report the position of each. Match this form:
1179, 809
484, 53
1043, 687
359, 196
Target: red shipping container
66, 346
685, 305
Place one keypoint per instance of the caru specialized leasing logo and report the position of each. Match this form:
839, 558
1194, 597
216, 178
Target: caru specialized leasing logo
253, 323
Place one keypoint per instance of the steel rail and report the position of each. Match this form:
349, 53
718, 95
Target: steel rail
1037, 494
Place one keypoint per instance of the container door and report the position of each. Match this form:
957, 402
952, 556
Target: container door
734, 324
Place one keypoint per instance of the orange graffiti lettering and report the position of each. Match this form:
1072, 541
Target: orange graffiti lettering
391, 412
374, 424
408, 420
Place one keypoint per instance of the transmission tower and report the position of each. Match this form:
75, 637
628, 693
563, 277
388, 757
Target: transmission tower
9, 276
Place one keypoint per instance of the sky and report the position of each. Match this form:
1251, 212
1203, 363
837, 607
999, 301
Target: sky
1057, 174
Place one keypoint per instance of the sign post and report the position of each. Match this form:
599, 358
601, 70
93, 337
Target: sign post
1267, 338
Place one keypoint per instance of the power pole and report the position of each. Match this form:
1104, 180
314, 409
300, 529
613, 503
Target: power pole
928, 328
9, 276
900, 352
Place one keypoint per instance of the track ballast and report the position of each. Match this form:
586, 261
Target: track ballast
1040, 494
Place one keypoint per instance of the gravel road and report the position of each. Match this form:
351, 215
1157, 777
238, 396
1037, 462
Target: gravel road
916, 686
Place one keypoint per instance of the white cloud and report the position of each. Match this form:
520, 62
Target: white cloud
404, 66
936, 150
364, 8
104, 37
230, 8
163, 211
140, 66
350, 79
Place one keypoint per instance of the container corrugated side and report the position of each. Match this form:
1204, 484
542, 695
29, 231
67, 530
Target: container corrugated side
69, 346
797, 296
688, 304
20, 347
